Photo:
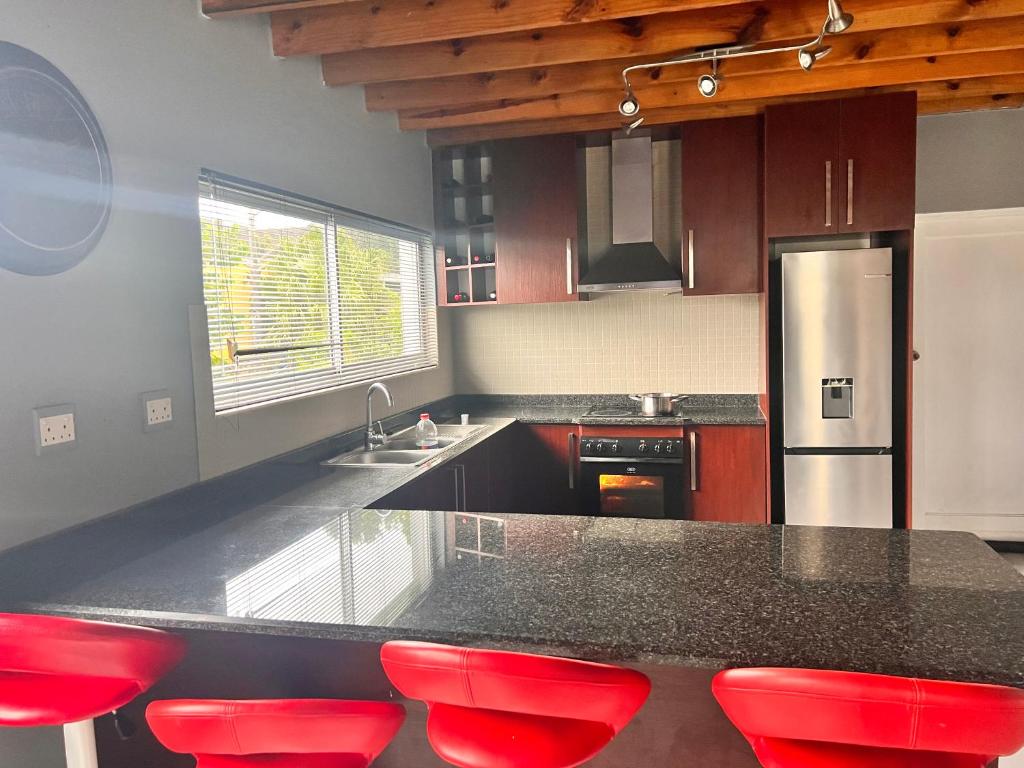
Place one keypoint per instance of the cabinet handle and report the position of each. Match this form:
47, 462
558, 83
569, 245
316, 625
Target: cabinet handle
689, 257
572, 461
459, 476
568, 266
693, 462
849, 192
828, 193
462, 480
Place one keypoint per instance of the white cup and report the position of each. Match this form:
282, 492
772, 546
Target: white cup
465, 418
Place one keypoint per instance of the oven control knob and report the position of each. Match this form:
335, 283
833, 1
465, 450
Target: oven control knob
657, 447
669, 447
642, 447
615, 448
585, 447
599, 448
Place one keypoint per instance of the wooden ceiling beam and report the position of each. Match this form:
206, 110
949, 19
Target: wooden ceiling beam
668, 33
216, 8
356, 26
933, 98
884, 45
741, 88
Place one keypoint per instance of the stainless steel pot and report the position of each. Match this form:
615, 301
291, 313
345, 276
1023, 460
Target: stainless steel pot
657, 403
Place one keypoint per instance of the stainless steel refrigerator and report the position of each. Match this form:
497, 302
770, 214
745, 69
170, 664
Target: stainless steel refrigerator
837, 387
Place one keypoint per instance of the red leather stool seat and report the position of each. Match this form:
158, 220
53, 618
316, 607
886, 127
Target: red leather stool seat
276, 733
55, 670
497, 709
806, 718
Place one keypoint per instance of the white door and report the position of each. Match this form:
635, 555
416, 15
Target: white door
968, 449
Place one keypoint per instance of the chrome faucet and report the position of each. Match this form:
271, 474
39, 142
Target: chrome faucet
374, 438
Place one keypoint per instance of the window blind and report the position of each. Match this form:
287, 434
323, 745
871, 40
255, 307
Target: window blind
302, 296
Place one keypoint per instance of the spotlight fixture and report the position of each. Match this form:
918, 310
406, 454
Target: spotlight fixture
634, 125
629, 106
838, 19
808, 57
808, 53
707, 85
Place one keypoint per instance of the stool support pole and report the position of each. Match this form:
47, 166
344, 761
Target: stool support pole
80, 745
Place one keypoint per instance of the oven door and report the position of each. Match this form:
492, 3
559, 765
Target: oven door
647, 488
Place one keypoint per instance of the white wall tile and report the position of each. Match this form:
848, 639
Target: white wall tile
612, 344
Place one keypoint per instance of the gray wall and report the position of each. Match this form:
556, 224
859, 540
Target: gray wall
173, 92
970, 161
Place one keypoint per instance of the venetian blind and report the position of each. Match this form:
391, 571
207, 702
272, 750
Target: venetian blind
302, 296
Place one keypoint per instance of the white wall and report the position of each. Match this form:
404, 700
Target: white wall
173, 92
970, 161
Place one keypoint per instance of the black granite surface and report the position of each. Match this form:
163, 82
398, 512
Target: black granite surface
573, 409
922, 603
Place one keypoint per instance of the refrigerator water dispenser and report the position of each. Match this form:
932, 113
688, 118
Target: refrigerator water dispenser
837, 398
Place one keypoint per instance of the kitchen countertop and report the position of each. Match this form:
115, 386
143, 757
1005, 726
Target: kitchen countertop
698, 410
922, 603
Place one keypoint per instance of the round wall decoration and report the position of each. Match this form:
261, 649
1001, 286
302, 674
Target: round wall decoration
55, 176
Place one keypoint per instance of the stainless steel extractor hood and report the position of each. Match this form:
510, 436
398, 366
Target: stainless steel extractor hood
633, 262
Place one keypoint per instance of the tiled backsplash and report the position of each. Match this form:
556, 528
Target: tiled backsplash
631, 342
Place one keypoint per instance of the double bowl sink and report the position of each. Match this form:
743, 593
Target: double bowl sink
401, 450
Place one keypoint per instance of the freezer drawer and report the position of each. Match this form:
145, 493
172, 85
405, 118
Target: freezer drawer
837, 348
844, 490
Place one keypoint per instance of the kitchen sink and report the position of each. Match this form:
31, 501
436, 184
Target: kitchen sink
410, 445
401, 449
379, 458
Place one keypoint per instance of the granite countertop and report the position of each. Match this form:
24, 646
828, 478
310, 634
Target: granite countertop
922, 603
698, 410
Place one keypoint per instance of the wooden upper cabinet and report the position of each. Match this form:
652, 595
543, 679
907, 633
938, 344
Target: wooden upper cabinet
721, 194
535, 231
877, 162
837, 167
800, 173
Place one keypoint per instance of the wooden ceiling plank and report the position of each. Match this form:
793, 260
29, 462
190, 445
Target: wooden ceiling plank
223, 8
646, 36
974, 94
366, 24
741, 88
883, 45
972, 104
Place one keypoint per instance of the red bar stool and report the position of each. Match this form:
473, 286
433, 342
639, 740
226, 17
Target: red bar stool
57, 671
496, 709
276, 733
806, 718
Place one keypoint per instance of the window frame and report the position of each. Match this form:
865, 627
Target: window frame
333, 377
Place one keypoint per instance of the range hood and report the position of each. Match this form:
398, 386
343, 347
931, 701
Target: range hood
633, 262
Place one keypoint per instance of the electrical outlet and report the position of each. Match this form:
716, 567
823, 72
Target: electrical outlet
156, 410
54, 428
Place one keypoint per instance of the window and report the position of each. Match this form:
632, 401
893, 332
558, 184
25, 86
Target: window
303, 297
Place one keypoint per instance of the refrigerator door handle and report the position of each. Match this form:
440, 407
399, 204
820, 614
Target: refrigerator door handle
828, 193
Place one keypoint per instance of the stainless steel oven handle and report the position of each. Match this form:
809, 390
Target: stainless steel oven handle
572, 461
689, 267
568, 266
693, 461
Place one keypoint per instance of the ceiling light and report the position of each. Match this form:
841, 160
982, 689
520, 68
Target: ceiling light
707, 85
808, 57
838, 19
629, 106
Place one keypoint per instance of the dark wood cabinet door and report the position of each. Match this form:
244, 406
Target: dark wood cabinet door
877, 162
436, 490
531, 468
800, 169
536, 253
721, 193
729, 484
474, 479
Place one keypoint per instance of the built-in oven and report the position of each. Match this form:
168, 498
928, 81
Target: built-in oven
634, 477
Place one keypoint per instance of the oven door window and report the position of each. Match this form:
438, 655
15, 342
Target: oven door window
623, 495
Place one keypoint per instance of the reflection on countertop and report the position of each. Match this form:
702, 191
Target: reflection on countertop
932, 604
